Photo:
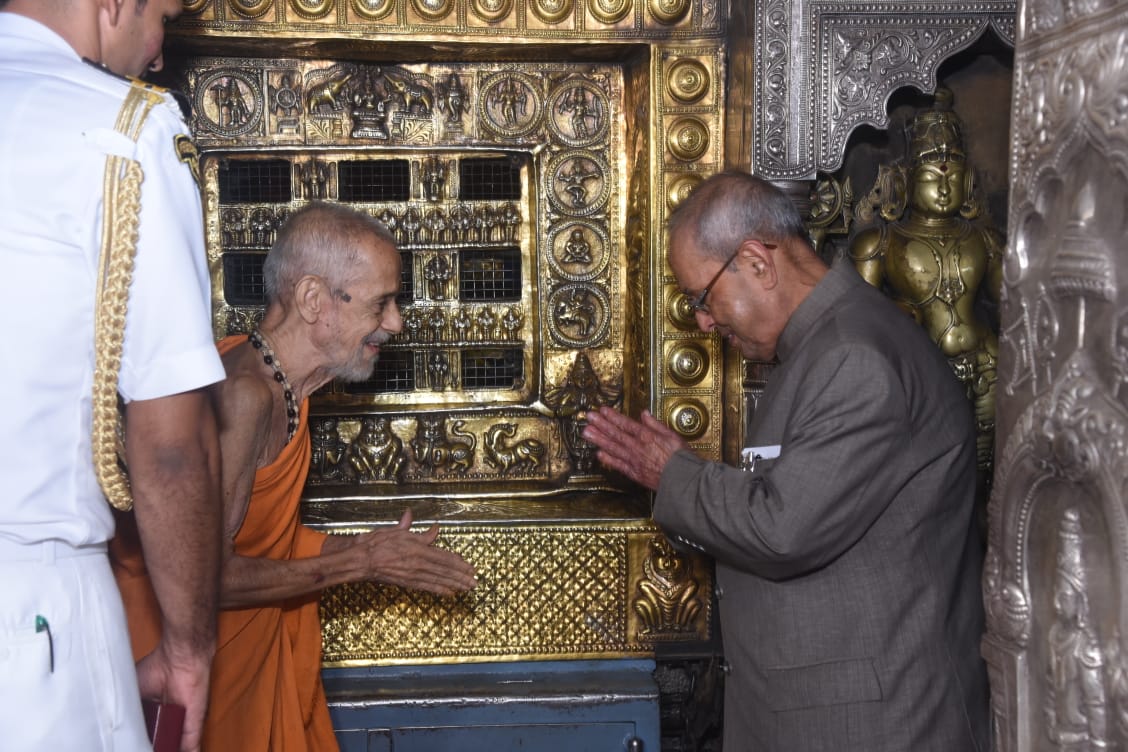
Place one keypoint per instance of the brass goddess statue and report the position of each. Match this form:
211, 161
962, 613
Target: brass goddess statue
933, 261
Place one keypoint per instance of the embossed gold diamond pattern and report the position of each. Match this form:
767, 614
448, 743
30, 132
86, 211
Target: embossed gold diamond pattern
542, 592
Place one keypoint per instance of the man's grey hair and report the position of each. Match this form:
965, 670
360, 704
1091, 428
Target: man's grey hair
732, 206
321, 239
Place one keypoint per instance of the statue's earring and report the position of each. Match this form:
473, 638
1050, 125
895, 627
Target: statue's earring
971, 205
893, 184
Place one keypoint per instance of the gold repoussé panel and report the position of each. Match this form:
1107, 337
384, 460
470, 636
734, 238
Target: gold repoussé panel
611, 110
545, 591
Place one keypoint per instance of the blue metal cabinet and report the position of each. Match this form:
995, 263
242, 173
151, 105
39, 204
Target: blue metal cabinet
578, 706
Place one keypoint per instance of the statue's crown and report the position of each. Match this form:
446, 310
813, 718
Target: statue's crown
936, 135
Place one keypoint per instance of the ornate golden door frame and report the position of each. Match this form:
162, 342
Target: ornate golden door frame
527, 305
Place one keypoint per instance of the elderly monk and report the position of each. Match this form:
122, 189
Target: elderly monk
331, 283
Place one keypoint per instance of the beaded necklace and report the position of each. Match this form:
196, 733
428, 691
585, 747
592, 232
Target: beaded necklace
259, 343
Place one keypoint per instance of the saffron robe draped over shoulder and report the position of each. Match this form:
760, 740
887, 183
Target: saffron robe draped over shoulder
266, 692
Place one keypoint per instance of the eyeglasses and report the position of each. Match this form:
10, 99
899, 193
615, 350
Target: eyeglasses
698, 303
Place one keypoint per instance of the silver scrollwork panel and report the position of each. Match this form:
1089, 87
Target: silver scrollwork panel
1056, 577
826, 67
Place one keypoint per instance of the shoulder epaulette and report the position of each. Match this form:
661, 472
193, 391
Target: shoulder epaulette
131, 80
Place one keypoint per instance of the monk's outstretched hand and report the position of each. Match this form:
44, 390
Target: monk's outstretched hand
637, 449
398, 556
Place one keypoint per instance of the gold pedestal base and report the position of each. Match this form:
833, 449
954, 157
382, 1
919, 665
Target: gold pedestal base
577, 578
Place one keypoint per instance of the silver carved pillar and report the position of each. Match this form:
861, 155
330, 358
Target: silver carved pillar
1056, 576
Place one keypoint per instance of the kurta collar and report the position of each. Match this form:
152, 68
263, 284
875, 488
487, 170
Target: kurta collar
841, 280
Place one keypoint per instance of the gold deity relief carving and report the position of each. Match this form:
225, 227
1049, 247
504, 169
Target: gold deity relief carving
229, 103
582, 389
578, 183
931, 257
482, 324
579, 250
313, 178
668, 599
510, 104
432, 448
251, 227
453, 100
578, 113
580, 315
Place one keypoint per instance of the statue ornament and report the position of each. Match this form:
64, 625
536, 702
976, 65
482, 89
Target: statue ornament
934, 261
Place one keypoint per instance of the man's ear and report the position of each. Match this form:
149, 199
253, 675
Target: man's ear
311, 295
762, 262
111, 10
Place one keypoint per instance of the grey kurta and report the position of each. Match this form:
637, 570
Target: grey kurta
848, 568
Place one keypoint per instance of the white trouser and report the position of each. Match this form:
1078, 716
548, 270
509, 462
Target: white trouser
67, 678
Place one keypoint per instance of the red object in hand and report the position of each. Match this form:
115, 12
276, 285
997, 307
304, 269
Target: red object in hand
165, 723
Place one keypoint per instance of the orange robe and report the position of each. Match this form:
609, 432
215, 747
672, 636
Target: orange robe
266, 692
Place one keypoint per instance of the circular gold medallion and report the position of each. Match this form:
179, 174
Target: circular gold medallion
680, 187
491, 10
312, 8
251, 8
681, 312
579, 112
433, 10
688, 138
552, 11
195, 6
609, 11
688, 418
687, 80
373, 10
668, 11
687, 364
